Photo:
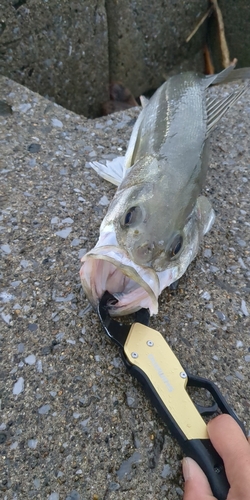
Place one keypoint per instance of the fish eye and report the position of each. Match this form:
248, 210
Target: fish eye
176, 246
132, 217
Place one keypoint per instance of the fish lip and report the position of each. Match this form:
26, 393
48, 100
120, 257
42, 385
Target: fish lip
139, 275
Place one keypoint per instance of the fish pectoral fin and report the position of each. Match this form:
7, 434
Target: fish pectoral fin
110, 170
144, 101
206, 213
217, 107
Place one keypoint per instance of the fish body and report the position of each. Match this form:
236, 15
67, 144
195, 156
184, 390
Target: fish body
157, 218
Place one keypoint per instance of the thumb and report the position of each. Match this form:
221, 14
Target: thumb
196, 483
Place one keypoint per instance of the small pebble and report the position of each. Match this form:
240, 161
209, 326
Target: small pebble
44, 409
85, 422
23, 108
244, 308
82, 252
14, 445
221, 315
6, 249
179, 491
53, 496
166, 471
240, 242
32, 443
104, 201
214, 269
36, 483
25, 263
18, 386
32, 327
74, 495
20, 348
68, 220
57, 123
39, 366
55, 220
206, 296
30, 360
64, 233
114, 486
34, 148
207, 253
241, 262
59, 336
239, 343
239, 375
247, 358
6, 297
17, 307
15, 283
75, 242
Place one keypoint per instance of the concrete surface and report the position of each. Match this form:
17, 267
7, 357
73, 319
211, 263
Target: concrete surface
70, 51
236, 16
147, 40
73, 424
57, 48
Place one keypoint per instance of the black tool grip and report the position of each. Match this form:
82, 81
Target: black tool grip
201, 450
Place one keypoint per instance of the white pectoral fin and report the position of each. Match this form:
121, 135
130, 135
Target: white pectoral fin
110, 170
217, 107
144, 101
205, 213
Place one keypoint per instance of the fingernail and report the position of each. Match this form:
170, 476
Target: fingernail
186, 468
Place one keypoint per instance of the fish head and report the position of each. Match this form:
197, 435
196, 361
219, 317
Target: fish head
151, 224
145, 244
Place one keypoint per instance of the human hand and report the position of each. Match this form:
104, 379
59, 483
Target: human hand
234, 449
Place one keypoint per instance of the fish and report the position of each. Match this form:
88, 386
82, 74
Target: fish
158, 217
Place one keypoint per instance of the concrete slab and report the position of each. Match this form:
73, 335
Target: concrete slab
73, 424
59, 49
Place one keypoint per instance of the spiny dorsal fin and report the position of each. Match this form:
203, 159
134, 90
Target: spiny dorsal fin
228, 75
220, 77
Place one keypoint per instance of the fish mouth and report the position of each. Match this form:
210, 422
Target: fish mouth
108, 267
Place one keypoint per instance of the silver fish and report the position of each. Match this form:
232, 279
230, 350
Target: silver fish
157, 219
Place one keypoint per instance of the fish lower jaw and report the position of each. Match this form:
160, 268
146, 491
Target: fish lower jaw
133, 287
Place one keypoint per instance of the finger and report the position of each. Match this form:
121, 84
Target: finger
232, 445
196, 484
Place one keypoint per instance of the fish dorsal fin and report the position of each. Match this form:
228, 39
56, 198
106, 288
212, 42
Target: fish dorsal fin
144, 101
110, 170
228, 75
217, 107
220, 77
